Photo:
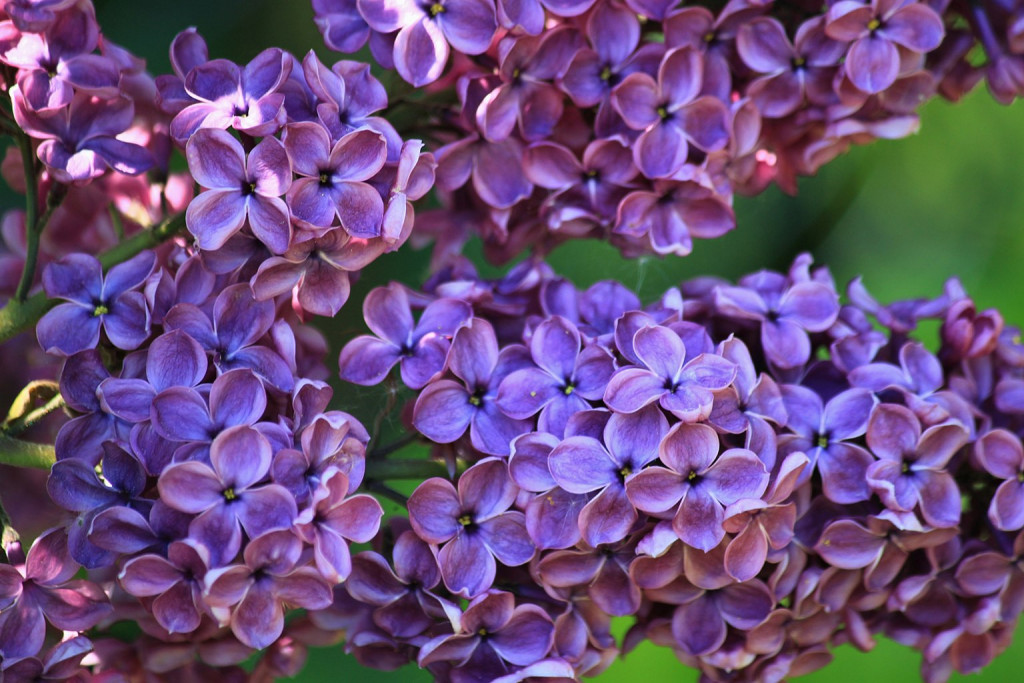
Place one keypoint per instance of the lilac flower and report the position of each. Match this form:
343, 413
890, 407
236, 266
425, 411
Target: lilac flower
564, 380
672, 214
226, 497
699, 623
176, 583
406, 605
35, 16
604, 571
700, 481
95, 303
53, 65
474, 525
342, 26
755, 399
75, 485
80, 142
552, 516
239, 189
824, 434
1002, 456
62, 662
600, 180
331, 442
43, 591
238, 322
670, 113
793, 72
911, 470
228, 96
582, 464
873, 61
426, 29
188, 50
257, 589
614, 33
526, 95
445, 408
316, 271
919, 378
787, 314
681, 385
332, 519
422, 349
529, 15
330, 186
237, 398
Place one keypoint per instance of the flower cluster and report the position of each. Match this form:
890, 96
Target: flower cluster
312, 186
637, 120
755, 472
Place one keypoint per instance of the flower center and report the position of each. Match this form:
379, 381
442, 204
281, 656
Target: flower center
606, 73
569, 389
100, 310
874, 24
466, 520
663, 112
435, 9
325, 178
822, 441
229, 494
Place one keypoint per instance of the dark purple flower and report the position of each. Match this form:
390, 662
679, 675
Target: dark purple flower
239, 190
603, 571
564, 380
420, 347
699, 481
582, 464
911, 469
43, 591
95, 303
671, 114
343, 27
672, 214
406, 605
599, 181
681, 385
445, 408
494, 633
80, 142
228, 96
331, 442
227, 497
474, 525
175, 583
258, 589
35, 15
552, 516
425, 30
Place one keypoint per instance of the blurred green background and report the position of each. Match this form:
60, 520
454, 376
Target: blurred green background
905, 215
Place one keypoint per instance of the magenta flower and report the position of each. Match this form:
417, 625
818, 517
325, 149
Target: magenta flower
238, 189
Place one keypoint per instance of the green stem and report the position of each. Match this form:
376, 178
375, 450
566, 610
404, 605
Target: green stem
18, 316
32, 230
18, 453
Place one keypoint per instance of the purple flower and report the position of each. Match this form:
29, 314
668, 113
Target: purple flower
699, 481
824, 434
1002, 456
564, 380
614, 33
877, 30
911, 470
582, 464
421, 348
238, 189
603, 571
343, 27
331, 442
43, 591
681, 385
425, 30
53, 65
406, 605
258, 589
670, 113
330, 185
552, 516
787, 314
35, 15
175, 583
474, 525
95, 303
332, 519
494, 633
672, 214
228, 96
529, 15
599, 181
80, 142
227, 496
445, 408
238, 322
